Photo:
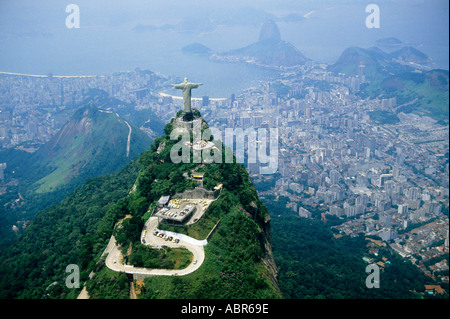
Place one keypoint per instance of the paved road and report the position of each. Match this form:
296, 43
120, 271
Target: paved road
83, 294
114, 258
129, 129
129, 138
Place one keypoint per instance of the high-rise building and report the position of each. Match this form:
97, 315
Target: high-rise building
403, 209
388, 234
2, 169
304, 213
386, 220
413, 193
367, 152
257, 120
334, 177
245, 121
396, 172
205, 100
446, 241
336, 210
308, 112
384, 178
362, 199
355, 83
361, 74
232, 99
389, 186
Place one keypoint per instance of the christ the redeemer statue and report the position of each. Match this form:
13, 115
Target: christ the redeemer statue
187, 87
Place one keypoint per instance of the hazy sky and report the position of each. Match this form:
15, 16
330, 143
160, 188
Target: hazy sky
34, 37
26, 14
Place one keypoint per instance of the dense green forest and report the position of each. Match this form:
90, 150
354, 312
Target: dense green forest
77, 230
384, 117
314, 264
232, 269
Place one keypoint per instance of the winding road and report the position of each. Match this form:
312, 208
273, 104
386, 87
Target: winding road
129, 129
114, 258
129, 137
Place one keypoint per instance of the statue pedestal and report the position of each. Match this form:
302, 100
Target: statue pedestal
187, 121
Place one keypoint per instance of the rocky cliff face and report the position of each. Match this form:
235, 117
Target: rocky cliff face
268, 260
269, 31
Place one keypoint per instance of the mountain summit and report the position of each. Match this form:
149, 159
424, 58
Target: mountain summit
377, 63
179, 230
269, 50
269, 31
84, 145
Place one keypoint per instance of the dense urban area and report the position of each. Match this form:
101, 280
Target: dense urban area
338, 159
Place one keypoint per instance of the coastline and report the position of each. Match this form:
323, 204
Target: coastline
46, 76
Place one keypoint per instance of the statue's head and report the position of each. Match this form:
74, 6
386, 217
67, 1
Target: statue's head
185, 80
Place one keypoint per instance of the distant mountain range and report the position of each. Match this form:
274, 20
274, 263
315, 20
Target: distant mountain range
376, 62
389, 42
403, 74
409, 54
196, 49
421, 93
245, 16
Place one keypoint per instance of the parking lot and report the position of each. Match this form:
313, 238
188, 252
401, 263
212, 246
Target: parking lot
165, 237
185, 210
